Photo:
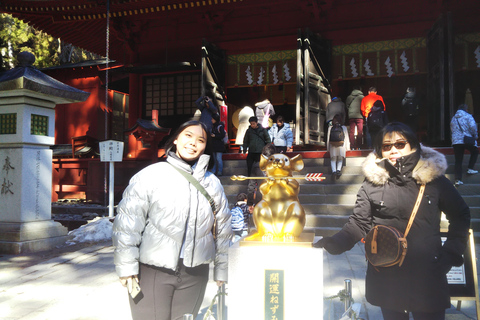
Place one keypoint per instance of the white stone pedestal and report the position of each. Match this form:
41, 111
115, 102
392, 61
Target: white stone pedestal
25, 201
252, 276
27, 129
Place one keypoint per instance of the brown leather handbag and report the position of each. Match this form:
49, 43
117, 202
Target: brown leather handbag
385, 246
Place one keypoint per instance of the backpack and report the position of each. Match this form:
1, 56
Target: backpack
337, 137
375, 118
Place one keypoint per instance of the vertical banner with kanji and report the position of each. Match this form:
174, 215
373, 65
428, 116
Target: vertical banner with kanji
274, 294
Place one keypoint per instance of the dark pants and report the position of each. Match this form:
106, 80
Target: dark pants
253, 184
397, 315
356, 143
251, 159
280, 149
373, 132
167, 295
412, 122
367, 135
459, 150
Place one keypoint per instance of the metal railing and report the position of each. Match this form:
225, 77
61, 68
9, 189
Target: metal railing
345, 296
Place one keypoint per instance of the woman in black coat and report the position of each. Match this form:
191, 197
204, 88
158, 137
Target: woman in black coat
394, 172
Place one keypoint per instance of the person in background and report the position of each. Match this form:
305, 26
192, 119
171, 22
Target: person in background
377, 119
353, 104
264, 112
410, 106
255, 139
240, 217
338, 148
281, 136
393, 173
461, 125
218, 146
366, 106
207, 109
369, 100
163, 230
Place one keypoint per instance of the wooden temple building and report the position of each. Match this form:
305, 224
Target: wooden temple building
164, 54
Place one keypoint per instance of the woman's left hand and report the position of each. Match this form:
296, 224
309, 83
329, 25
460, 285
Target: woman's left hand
220, 283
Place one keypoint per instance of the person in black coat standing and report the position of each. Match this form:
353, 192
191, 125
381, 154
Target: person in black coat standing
410, 106
393, 173
377, 118
218, 146
255, 139
207, 109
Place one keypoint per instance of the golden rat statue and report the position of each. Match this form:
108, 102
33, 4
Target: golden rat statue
279, 215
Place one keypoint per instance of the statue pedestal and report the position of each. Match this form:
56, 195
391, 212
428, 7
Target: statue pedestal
34, 236
283, 282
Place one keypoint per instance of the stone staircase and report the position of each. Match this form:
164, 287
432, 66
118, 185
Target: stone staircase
329, 203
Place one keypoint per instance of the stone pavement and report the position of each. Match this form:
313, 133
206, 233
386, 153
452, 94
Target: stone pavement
79, 283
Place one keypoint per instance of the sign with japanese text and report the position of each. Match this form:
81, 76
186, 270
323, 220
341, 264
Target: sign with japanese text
111, 151
462, 281
274, 294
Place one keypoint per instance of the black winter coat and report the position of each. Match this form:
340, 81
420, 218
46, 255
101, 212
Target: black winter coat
218, 131
255, 139
420, 284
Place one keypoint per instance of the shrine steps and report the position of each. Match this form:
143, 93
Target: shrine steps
329, 203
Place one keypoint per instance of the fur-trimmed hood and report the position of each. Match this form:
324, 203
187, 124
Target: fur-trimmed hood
431, 165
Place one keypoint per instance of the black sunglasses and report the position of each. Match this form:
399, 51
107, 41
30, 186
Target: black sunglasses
398, 145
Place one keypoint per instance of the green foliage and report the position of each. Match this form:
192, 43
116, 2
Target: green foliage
17, 36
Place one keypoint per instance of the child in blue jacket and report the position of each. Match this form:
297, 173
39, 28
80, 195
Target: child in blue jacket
240, 215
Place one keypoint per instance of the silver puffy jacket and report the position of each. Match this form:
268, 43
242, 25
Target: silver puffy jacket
158, 206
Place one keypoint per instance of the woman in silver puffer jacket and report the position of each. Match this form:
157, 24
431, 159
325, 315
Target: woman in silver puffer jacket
162, 233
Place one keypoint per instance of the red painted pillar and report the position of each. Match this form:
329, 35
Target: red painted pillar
135, 111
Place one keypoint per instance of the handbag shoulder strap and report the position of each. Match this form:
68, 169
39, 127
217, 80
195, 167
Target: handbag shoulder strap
415, 209
197, 185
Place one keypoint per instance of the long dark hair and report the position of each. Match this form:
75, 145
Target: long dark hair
170, 146
399, 128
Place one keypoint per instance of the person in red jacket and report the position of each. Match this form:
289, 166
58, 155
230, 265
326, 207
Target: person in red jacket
369, 100
366, 106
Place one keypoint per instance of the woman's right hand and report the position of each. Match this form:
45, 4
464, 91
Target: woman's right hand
124, 280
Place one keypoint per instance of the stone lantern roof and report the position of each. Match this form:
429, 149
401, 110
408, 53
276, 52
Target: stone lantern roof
25, 76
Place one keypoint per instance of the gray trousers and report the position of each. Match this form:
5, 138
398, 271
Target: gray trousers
168, 295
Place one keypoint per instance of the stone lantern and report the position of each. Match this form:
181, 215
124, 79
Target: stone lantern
27, 126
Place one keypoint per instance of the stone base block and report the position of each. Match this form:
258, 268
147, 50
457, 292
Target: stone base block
252, 289
7, 247
28, 237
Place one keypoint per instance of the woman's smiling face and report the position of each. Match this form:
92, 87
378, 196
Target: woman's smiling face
395, 146
191, 143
